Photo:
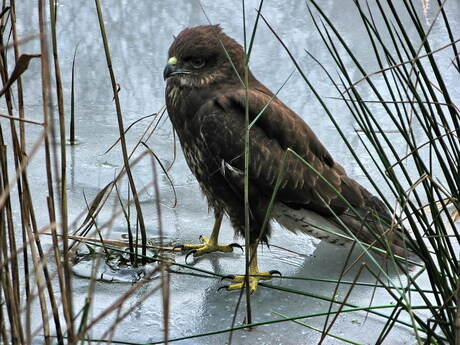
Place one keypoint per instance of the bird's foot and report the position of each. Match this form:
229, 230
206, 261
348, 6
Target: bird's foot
207, 246
239, 282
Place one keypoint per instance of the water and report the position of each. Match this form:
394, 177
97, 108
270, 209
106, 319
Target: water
139, 34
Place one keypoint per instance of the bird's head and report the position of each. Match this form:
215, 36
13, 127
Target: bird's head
204, 55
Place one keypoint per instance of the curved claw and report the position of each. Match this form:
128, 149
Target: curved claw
223, 287
236, 245
230, 276
180, 246
272, 272
192, 252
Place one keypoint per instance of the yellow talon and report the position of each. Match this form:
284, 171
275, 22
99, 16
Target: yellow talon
238, 282
208, 246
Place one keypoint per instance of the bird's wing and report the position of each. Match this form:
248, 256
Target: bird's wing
278, 128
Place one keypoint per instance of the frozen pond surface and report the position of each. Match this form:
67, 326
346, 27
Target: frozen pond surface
139, 34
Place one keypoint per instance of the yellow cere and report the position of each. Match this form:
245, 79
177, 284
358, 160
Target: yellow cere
172, 60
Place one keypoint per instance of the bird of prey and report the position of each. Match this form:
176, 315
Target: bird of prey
207, 101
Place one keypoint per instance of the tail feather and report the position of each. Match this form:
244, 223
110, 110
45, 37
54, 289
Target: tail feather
310, 223
374, 231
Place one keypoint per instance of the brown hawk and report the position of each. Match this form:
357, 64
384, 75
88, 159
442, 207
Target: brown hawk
206, 102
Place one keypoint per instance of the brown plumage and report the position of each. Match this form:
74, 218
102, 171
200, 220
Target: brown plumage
205, 100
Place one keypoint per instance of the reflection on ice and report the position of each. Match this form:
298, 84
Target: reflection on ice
117, 264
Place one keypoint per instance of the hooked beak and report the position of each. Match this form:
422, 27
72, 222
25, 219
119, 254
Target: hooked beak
172, 68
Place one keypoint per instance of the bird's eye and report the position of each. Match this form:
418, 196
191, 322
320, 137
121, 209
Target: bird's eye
197, 63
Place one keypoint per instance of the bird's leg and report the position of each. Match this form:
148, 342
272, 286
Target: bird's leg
238, 282
209, 245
